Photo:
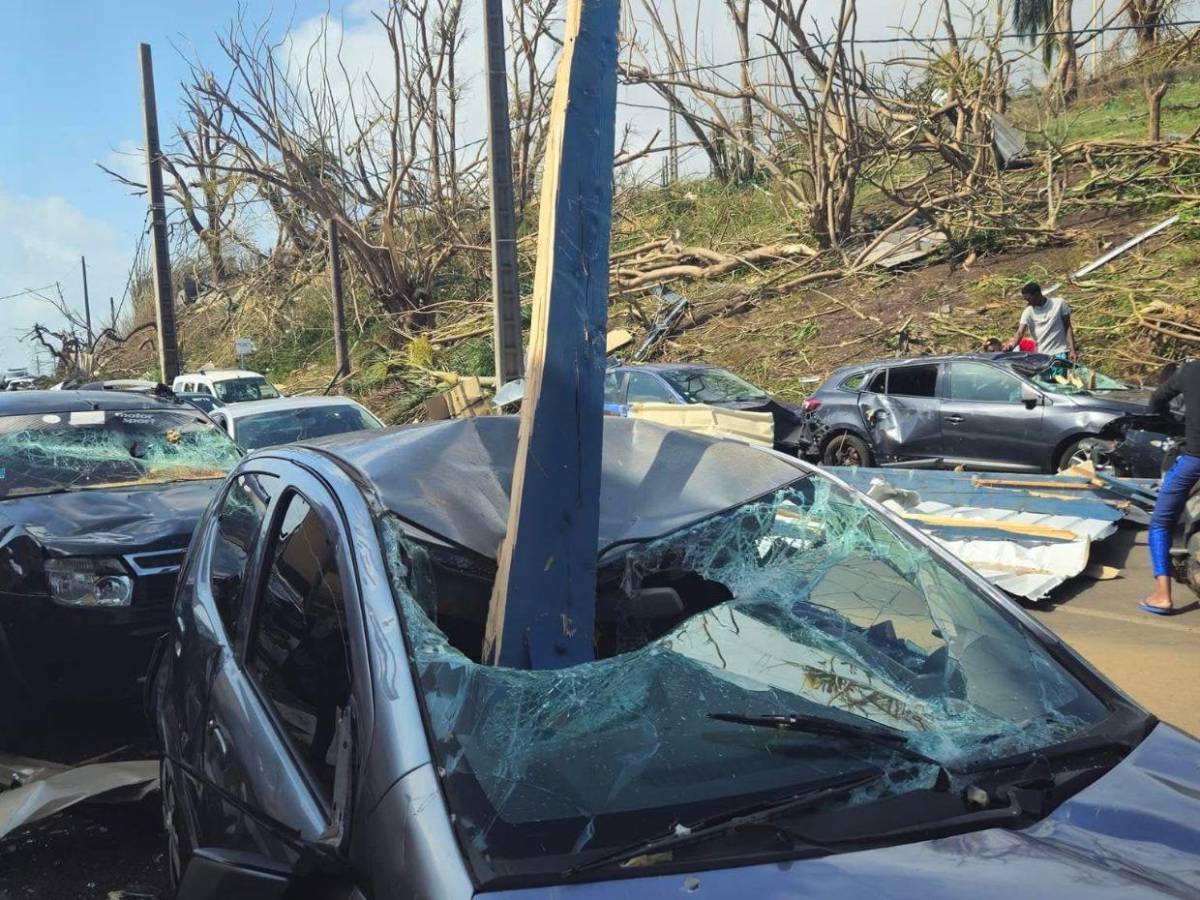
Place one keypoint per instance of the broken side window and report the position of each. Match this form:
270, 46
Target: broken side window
806, 602
913, 381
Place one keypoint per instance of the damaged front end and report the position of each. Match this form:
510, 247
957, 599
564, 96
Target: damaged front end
806, 605
96, 511
1141, 446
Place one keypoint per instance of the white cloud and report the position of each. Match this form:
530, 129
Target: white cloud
41, 241
127, 159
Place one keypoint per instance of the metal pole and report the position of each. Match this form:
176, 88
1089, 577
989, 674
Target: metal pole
87, 306
339, 308
506, 289
112, 314
168, 344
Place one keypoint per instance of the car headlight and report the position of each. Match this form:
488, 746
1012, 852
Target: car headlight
89, 581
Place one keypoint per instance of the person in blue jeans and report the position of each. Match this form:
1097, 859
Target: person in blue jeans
1177, 483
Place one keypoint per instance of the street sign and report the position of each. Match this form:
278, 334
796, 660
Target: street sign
243, 346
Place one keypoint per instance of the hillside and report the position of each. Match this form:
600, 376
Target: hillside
745, 315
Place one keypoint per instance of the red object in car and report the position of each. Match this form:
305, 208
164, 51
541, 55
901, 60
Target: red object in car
1027, 345
811, 405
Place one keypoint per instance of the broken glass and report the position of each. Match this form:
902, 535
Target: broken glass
104, 448
805, 602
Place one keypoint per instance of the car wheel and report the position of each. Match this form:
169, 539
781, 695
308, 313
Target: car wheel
1088, 449
1192, 569
166, 785
846, 450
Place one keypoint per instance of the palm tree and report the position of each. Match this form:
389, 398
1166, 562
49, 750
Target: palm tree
1050, 22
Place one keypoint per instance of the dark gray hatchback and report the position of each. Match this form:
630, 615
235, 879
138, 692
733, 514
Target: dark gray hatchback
1001, 411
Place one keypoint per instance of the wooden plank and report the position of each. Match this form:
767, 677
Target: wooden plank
1012, 527
543, 603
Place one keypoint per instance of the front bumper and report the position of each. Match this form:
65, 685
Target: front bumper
56, 652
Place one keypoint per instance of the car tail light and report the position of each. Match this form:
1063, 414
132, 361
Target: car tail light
812, 404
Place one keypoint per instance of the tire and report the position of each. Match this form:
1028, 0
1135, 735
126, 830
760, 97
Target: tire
1191, 569
1081, 451
175, 855
846, 450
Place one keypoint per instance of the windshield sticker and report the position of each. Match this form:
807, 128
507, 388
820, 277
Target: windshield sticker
136, 418
88, 417
51, 419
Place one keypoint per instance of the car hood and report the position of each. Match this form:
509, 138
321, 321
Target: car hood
1131, 402
117, 520
1133, 833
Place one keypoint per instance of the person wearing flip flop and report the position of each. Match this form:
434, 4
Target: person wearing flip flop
1177, 483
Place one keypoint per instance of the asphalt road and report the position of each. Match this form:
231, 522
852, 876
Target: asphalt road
1154, 660
116, 852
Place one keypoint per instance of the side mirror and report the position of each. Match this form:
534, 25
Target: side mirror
1030, 396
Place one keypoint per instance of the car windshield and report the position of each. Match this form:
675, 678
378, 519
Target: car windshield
1063, 377
806, 602
241, 390
105, 448
711, 386
286, 426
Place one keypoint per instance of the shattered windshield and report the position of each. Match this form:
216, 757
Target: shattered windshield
805, 603
241, 390
286, 426
104, 448
711, 386
1063, 377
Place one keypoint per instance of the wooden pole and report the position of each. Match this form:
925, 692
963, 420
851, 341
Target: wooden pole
340, 347
543, 602
87, 305
168, 344
506, 288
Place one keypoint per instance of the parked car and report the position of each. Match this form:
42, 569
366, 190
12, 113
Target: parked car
99, 494
695, 383
1001, 411
267, 423
206, 403
793, 693
227, 385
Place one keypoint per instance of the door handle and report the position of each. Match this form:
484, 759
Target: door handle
214, 731
953, 420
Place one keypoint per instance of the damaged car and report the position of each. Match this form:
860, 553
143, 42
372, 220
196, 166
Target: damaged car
1021, 412
790, 688
99, 494
692, 383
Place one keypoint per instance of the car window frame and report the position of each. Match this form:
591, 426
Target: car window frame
972, 362
299, 481
937, 385
662, 383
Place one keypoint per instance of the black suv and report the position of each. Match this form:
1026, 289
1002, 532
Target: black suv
99, 494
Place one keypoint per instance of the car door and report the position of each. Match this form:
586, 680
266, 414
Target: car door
646, 387
277, 702
901, 412
985, 421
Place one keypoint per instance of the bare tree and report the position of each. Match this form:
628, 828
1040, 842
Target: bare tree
534, 46
1148, 17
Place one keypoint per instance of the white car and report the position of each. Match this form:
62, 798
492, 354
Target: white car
227, 385
286, 420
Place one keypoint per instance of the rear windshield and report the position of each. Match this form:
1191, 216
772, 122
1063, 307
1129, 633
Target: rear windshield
712, 386
240, 390
53, 452
286, 426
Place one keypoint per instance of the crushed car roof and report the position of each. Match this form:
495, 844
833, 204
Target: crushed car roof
1024, 362
452, 478
25, 403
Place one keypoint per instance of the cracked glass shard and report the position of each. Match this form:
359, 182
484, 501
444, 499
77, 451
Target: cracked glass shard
805, 602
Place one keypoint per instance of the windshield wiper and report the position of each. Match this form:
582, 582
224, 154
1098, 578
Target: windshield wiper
881, 735
728, 821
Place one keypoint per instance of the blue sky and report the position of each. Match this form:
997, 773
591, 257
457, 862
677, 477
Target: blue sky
70, 97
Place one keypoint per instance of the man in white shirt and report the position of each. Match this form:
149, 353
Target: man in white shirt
1048, 322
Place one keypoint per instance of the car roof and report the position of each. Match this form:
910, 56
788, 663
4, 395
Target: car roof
452, 478
1016, 359
669, 367
254, 407
25, 403
221, 374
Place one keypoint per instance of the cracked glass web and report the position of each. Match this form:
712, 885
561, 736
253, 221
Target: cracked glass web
805, 602
40, 453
